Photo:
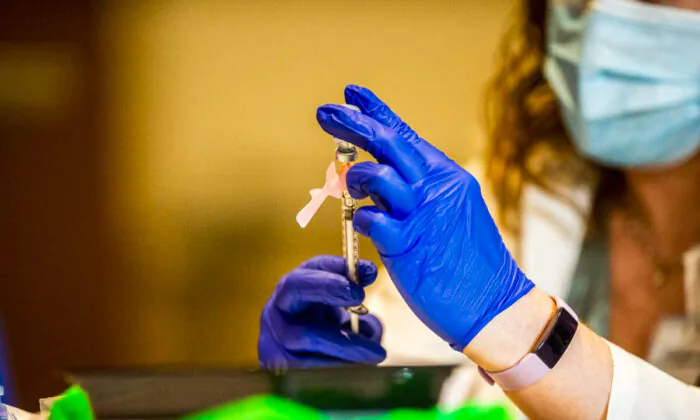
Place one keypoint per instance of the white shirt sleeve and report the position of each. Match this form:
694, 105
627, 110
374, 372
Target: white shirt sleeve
641, 391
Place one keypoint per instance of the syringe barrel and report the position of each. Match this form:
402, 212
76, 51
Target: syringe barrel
351, 250
345, 154
350, 246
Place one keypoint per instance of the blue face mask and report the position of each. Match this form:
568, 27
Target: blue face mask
627, 76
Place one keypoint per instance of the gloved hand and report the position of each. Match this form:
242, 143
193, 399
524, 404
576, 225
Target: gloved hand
429, 223
304, 324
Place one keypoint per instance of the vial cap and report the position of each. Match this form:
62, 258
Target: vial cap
343, 146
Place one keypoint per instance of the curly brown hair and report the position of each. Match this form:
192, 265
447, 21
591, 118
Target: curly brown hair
528, 143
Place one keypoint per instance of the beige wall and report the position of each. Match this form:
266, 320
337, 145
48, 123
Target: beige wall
215, 143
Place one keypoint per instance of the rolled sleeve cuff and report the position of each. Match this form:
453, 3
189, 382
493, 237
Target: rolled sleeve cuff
641, 391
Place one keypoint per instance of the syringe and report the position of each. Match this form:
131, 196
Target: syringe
345, 156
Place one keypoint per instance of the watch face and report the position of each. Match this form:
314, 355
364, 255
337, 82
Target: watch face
558, 340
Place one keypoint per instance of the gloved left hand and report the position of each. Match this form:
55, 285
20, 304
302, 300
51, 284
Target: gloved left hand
304, 324
430, 223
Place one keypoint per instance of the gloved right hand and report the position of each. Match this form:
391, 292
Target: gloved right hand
304, 323
430, 224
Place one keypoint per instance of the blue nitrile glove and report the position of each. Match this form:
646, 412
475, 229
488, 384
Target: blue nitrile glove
304, 324
430, 224
8, 396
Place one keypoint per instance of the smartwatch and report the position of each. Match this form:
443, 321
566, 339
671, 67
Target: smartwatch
545, 354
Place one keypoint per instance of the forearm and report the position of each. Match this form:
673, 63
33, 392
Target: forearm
578, 386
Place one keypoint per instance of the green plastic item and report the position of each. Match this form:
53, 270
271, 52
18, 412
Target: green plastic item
276, 408
73, 404
259, 407
468, 412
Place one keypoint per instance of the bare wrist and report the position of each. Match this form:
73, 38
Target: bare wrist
512, 333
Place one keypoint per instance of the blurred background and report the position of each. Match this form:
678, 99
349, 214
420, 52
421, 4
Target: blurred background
153, 155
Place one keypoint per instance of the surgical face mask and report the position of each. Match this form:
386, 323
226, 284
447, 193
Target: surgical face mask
627, 76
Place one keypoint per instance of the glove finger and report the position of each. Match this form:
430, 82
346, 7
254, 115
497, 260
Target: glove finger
371, 105
384, 143
314, 341
284, 360
303, 287
388, 190
273, 355
367, 271
382, 229
270, 354
371, 327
